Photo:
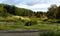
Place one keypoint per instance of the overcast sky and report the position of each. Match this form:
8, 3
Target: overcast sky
35, 5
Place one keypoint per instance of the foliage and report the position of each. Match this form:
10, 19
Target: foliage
30, 23
51, 33
58, 21
39, 14
10, 9
58, 13
52, 11
52, 20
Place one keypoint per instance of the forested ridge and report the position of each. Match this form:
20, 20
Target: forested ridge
7, 10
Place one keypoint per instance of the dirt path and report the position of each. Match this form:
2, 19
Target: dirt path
19, 33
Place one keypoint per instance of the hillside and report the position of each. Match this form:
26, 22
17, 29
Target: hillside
6, 10
12, 17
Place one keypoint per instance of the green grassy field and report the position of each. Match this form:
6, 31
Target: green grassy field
20, 24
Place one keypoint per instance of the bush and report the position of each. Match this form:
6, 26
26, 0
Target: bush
58, 21
52, 20
30, 23
45, 20
51, 33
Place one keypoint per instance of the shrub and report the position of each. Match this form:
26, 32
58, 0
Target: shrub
45, 20
51, 33
30, 23
52, 20
58, 21
48, 33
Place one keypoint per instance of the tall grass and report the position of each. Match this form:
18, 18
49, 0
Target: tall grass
50, 33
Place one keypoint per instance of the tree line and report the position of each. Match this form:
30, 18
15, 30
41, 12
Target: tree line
52, 13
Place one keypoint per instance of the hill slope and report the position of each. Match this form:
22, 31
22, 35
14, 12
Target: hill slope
6, 10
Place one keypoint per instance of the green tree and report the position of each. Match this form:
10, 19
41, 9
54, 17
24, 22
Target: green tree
39, 14
52, 11
10, 9
58, 13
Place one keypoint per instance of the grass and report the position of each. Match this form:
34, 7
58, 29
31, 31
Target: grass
37, 26
43, 26
53, 28
20, 24
50, 33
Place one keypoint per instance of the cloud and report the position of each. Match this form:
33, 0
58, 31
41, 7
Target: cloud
35, 5
12, 2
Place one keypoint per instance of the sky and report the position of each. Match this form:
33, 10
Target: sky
35, 5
